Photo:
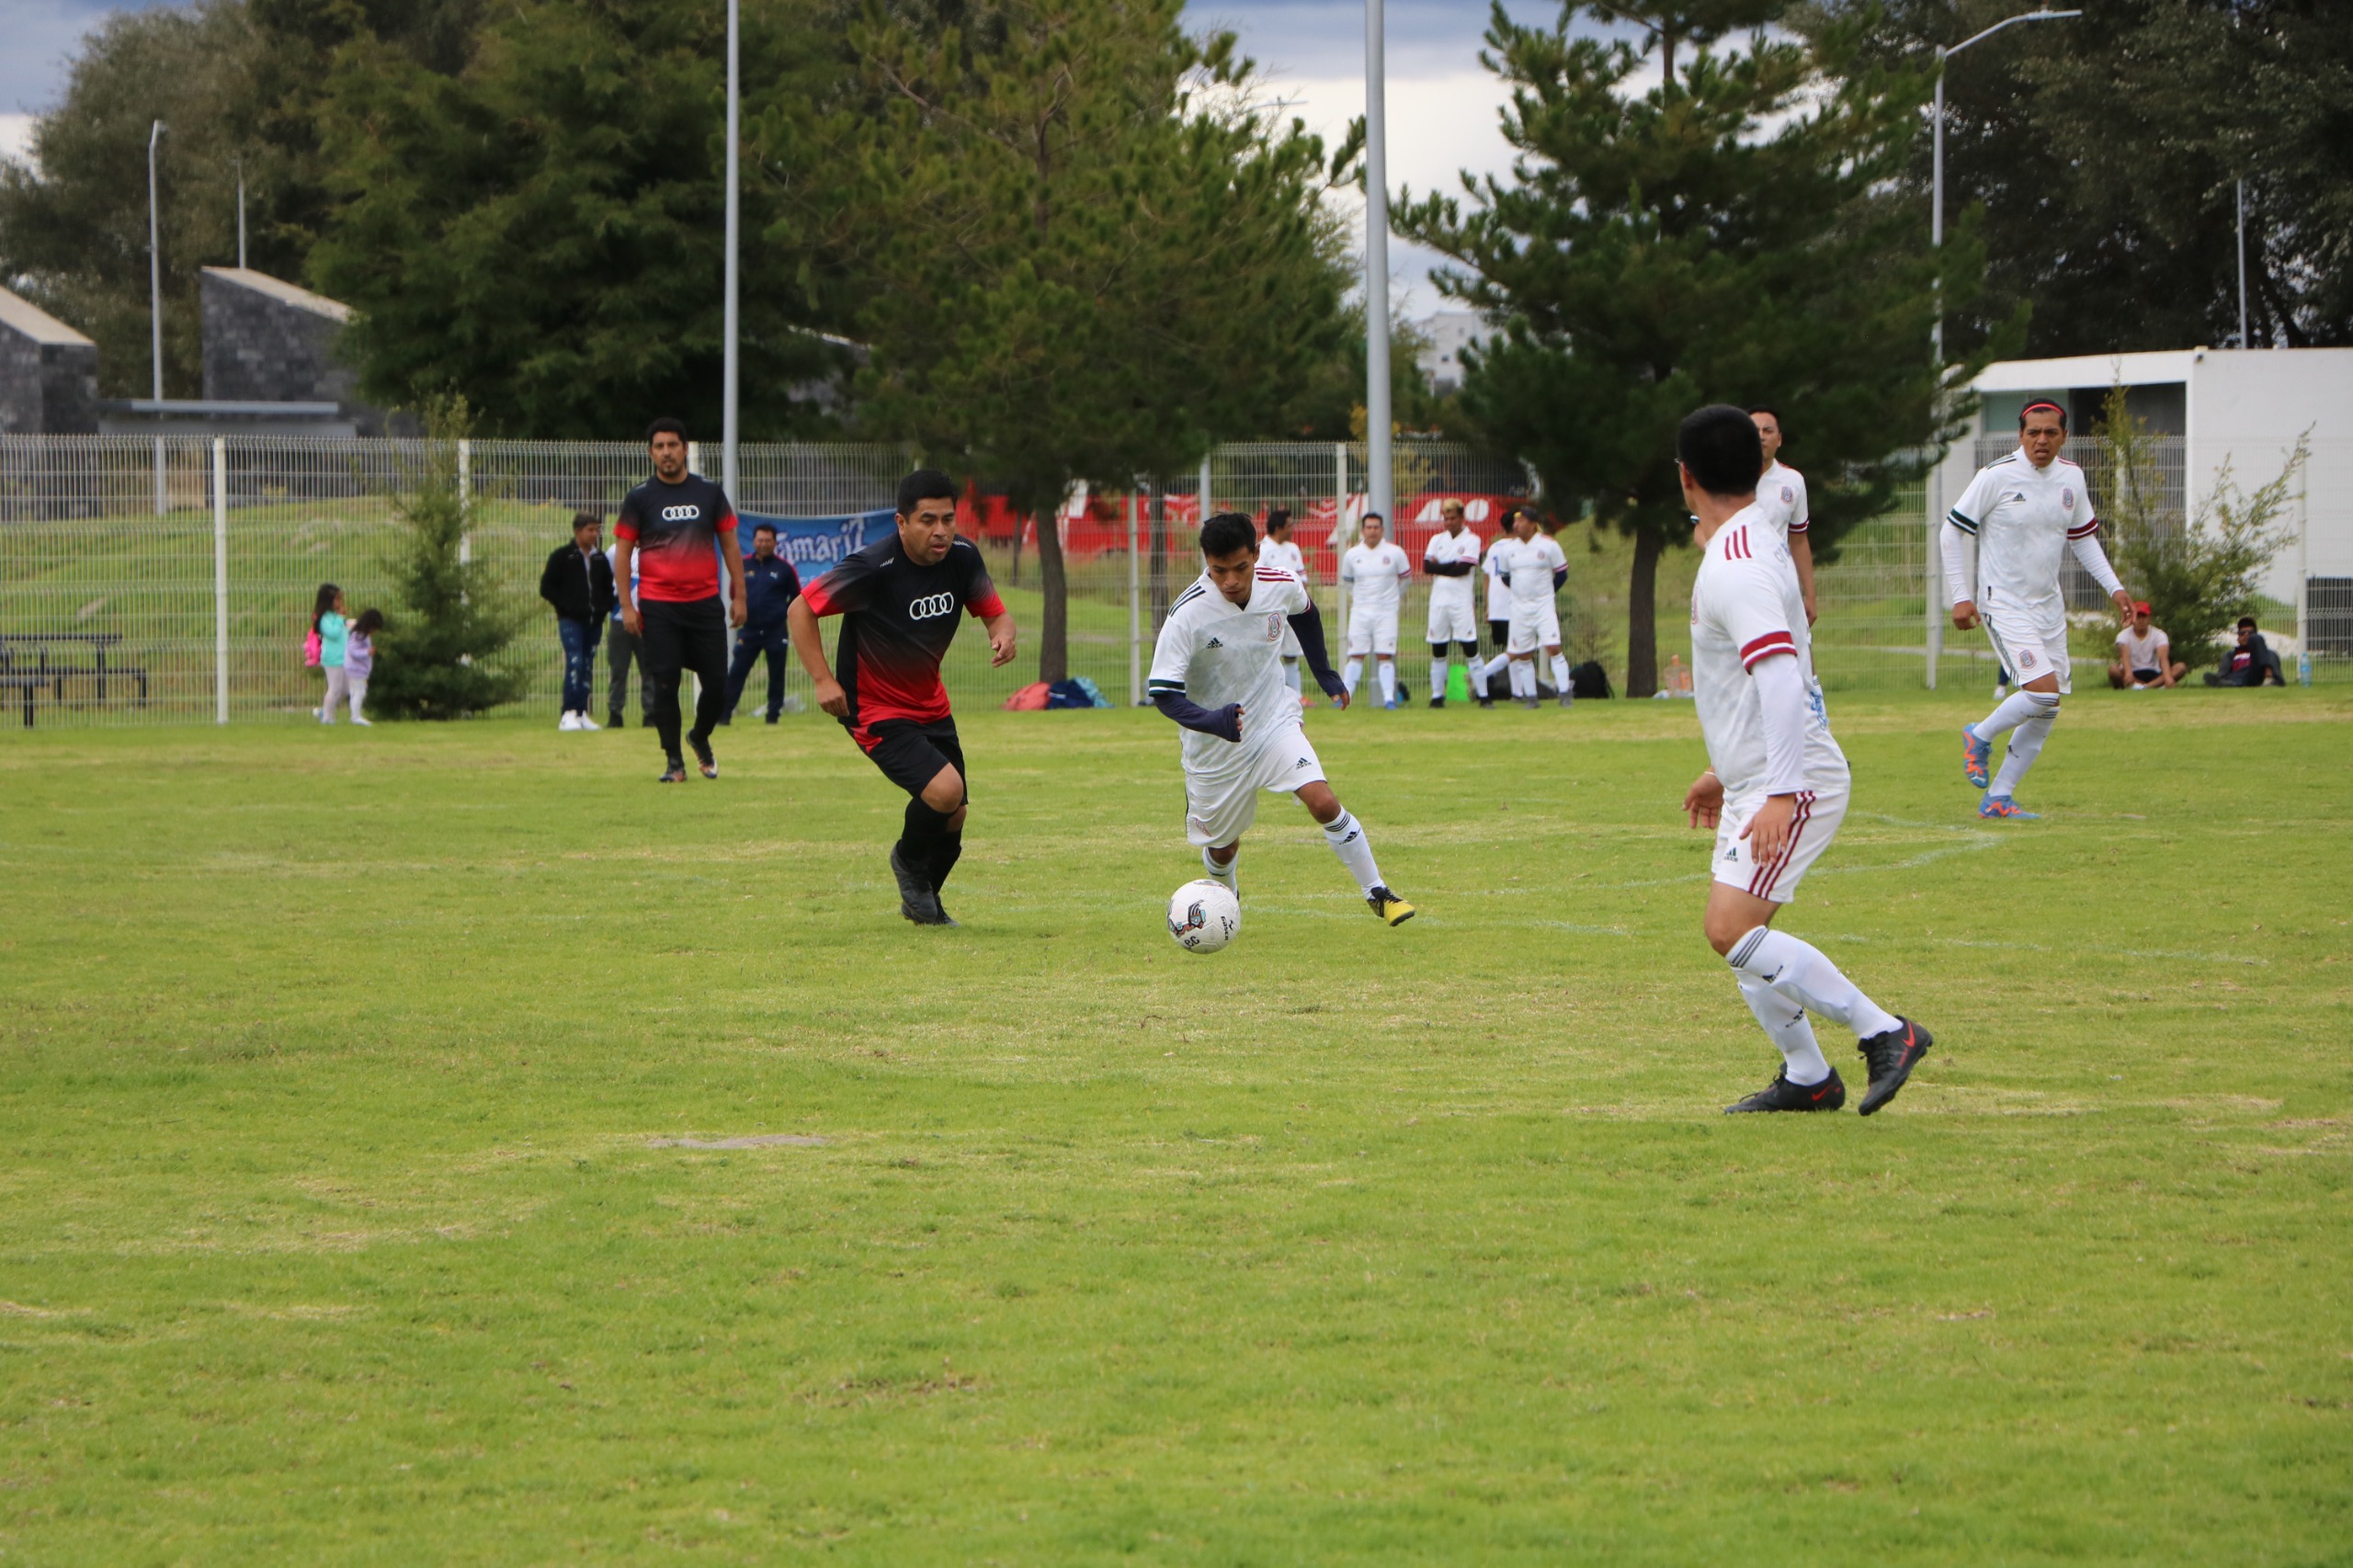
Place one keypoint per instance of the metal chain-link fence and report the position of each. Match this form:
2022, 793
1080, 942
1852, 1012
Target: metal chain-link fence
146, 580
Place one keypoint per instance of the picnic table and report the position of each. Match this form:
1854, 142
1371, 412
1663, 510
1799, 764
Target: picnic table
28, 669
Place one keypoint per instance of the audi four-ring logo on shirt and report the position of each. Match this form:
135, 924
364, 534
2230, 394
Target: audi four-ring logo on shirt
933, 605
680, 514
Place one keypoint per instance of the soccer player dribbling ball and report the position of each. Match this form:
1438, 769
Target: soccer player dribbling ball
1775, 787
900, 601
1221, 644
2022, 511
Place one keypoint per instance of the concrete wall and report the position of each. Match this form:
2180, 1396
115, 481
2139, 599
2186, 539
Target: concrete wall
269, 341
49, 374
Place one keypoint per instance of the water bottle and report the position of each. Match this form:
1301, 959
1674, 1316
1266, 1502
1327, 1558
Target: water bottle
2303, 667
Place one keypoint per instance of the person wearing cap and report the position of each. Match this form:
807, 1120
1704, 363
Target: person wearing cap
2022, 513
2143, 655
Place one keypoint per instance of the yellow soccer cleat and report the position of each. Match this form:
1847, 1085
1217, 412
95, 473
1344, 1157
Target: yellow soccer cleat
1393, 910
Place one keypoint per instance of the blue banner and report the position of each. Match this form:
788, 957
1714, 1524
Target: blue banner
815, 545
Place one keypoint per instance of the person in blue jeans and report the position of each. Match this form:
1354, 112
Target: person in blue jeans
771, 585
577, 583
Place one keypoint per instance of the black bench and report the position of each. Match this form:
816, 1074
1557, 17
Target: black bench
27, 670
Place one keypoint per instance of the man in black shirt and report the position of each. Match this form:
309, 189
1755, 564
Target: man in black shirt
673, 529
900, 601
577, 581
770, 587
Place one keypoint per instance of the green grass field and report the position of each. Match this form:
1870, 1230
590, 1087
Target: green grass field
352, 1212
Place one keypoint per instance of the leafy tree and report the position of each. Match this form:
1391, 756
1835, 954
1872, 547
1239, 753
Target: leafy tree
1085, 251
234, 80
438, 655
1725, 235
2107, 152
2201, 573
545, 229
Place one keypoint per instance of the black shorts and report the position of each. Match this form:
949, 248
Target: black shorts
1499, 635
910, 753
2148, 677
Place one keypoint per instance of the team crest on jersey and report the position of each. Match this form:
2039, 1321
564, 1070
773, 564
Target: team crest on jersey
1274, 628
1789, 496
2067, 497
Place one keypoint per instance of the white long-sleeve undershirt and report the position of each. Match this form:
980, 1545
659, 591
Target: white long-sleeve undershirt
1781, 708
1960, 568
2094, 560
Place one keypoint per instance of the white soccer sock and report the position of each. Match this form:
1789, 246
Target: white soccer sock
1801, 973
1785, 1025
1291, 674
1389, 680
2026, 744
1437, 675
2014, 709
1561, 674
1222, 873
1345, 836
1523, 678
1353, 674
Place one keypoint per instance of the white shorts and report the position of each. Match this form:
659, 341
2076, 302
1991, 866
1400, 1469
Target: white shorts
2029, 646
1533, 626
1371, 632
1452, 621
1221, 804
1811, 831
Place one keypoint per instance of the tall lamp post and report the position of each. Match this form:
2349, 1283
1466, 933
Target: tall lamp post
155, 303
729, 362
1378, 476
1936, 332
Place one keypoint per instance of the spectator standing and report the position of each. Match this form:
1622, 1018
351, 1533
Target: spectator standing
577, 583
2143, 655
673, 531
623, 647
359, 660
770, 584
334, 633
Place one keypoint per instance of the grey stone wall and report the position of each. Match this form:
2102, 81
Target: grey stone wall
260, 348
47, 389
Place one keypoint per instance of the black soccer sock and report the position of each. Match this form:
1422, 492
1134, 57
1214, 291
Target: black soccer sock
946, 851
920, 839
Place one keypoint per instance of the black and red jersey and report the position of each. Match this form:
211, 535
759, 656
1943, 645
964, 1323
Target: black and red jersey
897, 622
676, 528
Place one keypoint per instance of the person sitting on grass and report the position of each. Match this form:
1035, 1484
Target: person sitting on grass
2143, 655
2252, 663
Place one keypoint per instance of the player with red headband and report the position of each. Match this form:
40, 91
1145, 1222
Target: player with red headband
2021, 513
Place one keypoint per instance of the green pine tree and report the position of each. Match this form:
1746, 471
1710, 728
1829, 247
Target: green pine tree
440, 653
1726, 235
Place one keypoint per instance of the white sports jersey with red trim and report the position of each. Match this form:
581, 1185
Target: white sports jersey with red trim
1780, 497
1745, 608
1214, 652
2022, 518
1283, 557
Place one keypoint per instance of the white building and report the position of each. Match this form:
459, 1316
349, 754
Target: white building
2239, 407
1450, 332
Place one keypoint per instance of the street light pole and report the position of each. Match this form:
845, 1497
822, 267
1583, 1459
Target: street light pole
155, 303
729, 361
1937, 209
1378, 473
241, 214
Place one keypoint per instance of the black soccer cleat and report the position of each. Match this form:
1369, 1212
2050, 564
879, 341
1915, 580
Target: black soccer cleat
1782, 1095
918, 902
673, 774
704, 758
1891, 1057
1438, 701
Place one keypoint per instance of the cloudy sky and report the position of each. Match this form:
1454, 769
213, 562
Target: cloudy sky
1442, 107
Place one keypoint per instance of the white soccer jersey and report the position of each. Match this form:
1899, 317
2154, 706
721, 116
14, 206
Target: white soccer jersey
2022, 518
1447, 549
1780, 497
1499, 577
1283, 558
1531, 564
1378, 576
1744, 608
1213, 652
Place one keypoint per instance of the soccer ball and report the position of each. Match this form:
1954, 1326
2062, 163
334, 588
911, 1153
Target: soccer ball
1203, 915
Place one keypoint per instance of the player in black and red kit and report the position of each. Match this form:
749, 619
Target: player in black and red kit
678, 526
900, 601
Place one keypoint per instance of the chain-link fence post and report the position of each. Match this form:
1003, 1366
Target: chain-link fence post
1933, 574
220, 579
1135, 610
